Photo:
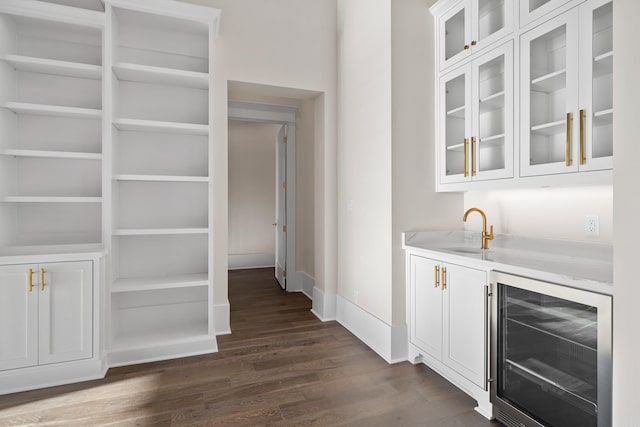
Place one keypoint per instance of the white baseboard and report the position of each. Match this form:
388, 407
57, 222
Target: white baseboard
244, 261
324, 305
15, 380
169, 350
222, 318
301, 282
390, 342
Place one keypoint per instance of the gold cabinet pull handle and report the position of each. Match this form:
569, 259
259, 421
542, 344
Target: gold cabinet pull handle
473, 156
567, 156
466, 46
464, 149
436, 276
42, 279
444, 278
30, 287
473, 42
583, 159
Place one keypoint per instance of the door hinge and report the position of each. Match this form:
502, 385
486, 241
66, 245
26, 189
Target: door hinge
284, 184
284, 273
284, 228
284, 139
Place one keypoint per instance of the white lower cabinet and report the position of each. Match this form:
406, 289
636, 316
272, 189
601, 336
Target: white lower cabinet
448, 322
46, 313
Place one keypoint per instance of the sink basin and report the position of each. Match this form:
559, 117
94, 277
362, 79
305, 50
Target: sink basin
473, 251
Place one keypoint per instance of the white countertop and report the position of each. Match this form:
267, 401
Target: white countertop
578, 265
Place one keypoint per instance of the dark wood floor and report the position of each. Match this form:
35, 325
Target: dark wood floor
281, 366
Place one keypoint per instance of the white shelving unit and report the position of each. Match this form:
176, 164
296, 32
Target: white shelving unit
50, 127
161, 265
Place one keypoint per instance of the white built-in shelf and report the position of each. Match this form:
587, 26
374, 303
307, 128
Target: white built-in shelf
158, 231
154, 283
603, 118
456, 147
492, 141
158, 75
492, 102
161, 127
551, 128
456, 112
50, 154
161, 178
52, 110
52, 66
603, 64
50, 199
164, 336
550, 82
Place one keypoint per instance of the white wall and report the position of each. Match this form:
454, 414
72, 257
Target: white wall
305, 180
416, 205
626, 291
287, 43
252, 177
548, 213
364, 155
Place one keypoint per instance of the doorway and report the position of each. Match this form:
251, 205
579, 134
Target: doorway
284, 184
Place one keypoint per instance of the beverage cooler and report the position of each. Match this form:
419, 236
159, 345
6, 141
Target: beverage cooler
550, 354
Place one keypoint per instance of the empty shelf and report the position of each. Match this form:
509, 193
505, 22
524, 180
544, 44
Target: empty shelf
457, 112
50, 66
551, 128
153, 283
53, 110
50, 199
603, 118
159, 75
492, 141
161, 178
550, 82
161, 127
158, 231
603, 64
493, 102
456, 147
50, 154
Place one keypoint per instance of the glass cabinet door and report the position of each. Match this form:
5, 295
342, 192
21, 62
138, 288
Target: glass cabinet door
455, 34
596, 90
491, 148
492, 20
549, 97
455, 125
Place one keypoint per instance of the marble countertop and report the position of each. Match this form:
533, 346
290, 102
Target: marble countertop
578, 265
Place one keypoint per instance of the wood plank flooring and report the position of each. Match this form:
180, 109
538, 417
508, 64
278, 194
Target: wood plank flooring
280, 367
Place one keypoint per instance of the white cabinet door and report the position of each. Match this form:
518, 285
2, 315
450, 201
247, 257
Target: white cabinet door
491, 148
454, 112
426, 309
65, 311
470, 26
596, 85
549, 121
18, 316
464, 322
454, 34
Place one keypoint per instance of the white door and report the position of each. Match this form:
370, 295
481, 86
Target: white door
65, 308
464, 322
426, 313
18, 316
281, 207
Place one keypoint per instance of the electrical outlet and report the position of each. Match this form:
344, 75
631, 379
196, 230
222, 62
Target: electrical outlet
591, 225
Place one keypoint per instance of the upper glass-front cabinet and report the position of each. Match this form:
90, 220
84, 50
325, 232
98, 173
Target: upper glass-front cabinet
477, 119
566, 92
470, 26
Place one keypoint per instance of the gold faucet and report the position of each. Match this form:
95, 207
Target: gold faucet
485, 236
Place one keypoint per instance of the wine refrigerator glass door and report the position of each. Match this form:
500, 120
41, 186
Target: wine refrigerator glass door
551, 353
